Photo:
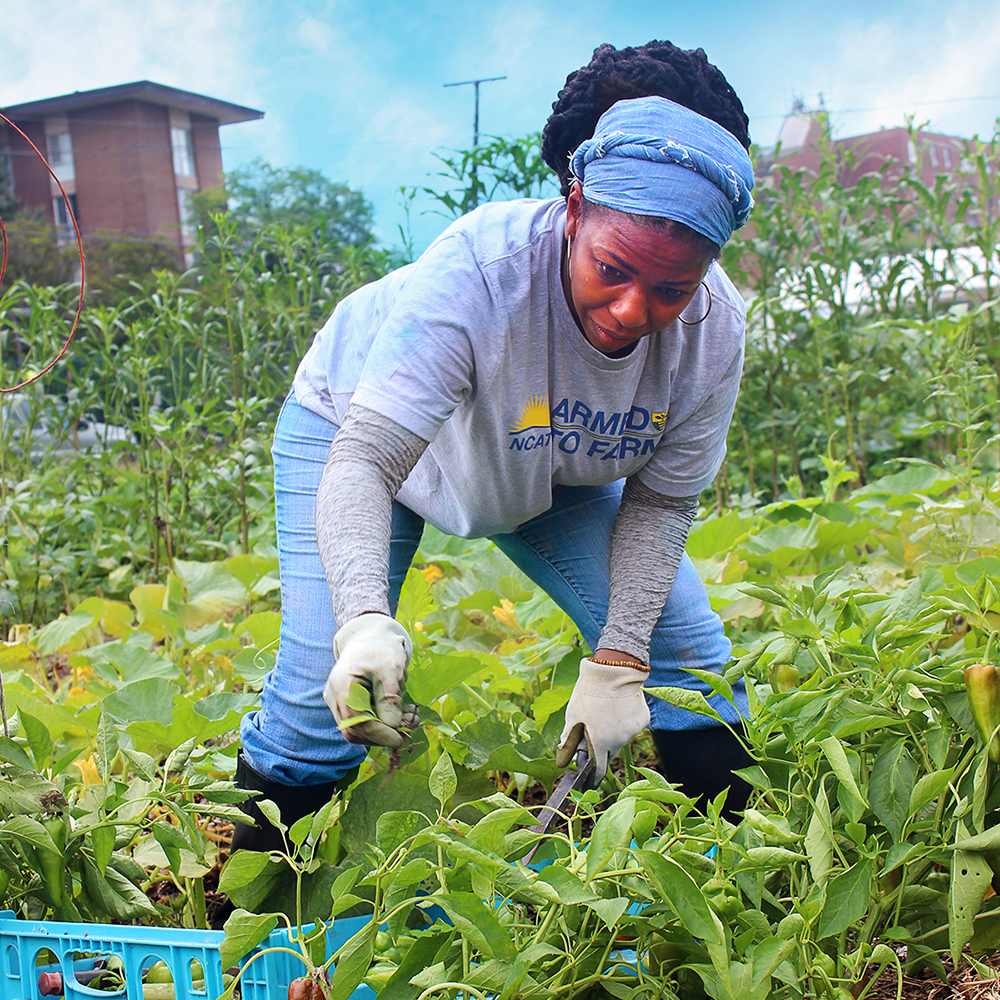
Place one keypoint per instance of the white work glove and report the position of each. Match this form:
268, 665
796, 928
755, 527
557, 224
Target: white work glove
372, 650
607, 707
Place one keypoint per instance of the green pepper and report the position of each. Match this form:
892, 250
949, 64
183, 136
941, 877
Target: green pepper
159, 972
50, 863
784, 677
982, 684
724, 898
784, 673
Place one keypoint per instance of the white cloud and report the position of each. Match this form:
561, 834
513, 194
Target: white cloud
53, 47
317, 36
929, 63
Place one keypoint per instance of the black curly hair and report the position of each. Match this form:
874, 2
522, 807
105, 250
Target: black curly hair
656, 69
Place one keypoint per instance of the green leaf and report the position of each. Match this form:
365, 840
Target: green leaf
60, 633
210, 593
569, 888
715, 681
818, 841
415, 599
31, 831
773, 827
359, 700
300, 829
847, 898
353, 960
442, 781
970, 878
178, 758
244, 931
432, 675
263, 627
609, 910
102, 840
272, 814
325, 819
800, 628
242, 868
611, 834
890, 786
988, 840
393, 827
172, 842
134, 662
107, 744
837, 756
767, 956
928, 788
144, 764
419, 956
477, 922
143, 702
38, 737
217, 706
13, 753
686, 698
676, 888
768, 859
114, 893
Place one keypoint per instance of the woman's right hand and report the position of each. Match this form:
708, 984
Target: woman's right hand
373, 651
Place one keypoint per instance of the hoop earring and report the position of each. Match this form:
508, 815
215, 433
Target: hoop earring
707, 311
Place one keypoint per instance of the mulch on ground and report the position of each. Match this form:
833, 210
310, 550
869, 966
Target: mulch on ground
964, 983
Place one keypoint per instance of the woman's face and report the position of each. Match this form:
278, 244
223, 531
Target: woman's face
625, 277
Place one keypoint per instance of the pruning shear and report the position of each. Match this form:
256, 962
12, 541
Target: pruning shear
570, 781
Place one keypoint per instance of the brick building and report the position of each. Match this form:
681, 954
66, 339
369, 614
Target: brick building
129, 157
804, 132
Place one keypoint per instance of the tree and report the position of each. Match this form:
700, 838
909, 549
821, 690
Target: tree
261, 195
35, 255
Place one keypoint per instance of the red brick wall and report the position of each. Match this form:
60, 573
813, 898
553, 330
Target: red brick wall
31, 179
207, 153
868, 153
124, 170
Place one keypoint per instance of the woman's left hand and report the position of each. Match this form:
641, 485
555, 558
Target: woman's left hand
607, 708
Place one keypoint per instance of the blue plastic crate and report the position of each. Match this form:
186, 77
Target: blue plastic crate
21, 941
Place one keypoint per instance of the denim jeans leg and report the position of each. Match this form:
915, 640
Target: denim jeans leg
566, 552
293, 739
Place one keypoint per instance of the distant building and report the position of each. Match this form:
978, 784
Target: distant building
129, 157
804, 132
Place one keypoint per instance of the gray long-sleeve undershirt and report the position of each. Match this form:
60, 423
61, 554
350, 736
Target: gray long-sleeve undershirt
370, 458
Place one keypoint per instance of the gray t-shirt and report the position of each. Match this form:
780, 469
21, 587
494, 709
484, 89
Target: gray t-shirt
473, 348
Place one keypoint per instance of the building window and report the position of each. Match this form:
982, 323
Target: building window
180, 140
186, 212
946, 156
64, 222
932, 149
60, 149
7, 168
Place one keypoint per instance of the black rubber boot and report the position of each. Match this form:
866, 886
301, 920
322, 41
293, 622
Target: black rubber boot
702, 762
293, 802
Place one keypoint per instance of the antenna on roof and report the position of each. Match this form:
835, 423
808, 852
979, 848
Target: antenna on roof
475, 124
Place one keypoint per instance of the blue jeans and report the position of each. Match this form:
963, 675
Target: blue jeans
293, 738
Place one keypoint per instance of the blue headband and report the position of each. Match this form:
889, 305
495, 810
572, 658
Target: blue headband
650, 156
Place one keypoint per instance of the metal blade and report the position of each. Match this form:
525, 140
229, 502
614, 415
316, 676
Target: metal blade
568, 782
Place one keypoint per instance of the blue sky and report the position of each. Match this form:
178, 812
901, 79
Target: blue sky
356, 88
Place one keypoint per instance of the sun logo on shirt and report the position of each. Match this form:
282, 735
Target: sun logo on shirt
534, 413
